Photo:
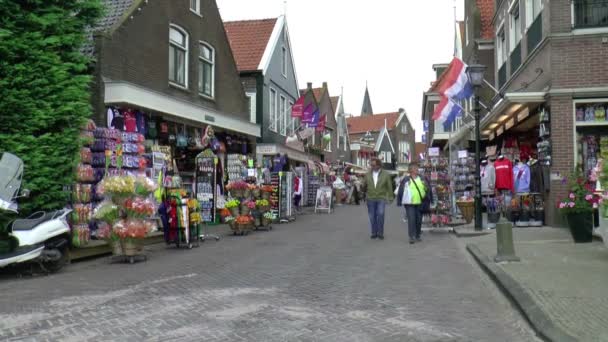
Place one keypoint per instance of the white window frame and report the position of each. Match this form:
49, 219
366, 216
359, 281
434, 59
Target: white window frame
184, 49
292, 121
515, 33
284, 61
273, 103
283, 115
501, 49
328, 147
531, 15
388, 158
201, 61
466, 31
253, 117
404, 128
196, 9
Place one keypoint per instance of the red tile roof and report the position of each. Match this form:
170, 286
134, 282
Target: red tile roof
486, 11
372, 123
248, 40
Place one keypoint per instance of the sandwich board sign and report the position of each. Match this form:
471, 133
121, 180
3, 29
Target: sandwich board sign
324, 197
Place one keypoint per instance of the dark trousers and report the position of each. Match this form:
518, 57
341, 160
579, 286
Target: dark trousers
414, 220
375, 210
296, 200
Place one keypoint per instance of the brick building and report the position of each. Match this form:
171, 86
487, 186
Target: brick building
551, 66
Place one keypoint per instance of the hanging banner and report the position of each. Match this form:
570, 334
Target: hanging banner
321, 125
315, 120
297, 109
306, 133
307, 114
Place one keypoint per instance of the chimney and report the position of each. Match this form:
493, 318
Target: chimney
401, 110
309, 84
325, 85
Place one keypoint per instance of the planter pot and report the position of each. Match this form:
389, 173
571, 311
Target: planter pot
581, 226
234, 211
247, 193
116, 247
258, 222
493, 217
257, 193
232, 225
237, 193
132, 247
265, 195
264, 208
245, 210
266, 222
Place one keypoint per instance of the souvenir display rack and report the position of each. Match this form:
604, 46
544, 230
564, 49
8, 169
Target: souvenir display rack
205, 185
436, 171
236, 167
463, 176
285, 196
527, 210
314, 182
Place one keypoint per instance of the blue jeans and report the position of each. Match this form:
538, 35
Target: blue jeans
414, 221
375, 209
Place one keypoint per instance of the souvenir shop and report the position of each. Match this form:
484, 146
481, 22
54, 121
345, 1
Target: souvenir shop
515, 168
189, 164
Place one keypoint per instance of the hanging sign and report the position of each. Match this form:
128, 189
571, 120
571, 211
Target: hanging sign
510, 123
463, 154
433, 151
499, 131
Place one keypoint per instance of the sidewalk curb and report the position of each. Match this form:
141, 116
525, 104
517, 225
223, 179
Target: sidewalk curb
539, 320
465, 234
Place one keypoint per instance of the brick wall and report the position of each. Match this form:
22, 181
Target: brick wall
138, 53
579, 62
559, 16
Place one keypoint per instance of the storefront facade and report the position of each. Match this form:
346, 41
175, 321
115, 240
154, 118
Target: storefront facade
554, 86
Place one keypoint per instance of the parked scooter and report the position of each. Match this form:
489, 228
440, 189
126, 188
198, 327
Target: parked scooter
42, 238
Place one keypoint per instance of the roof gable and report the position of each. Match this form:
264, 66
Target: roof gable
371, 123
382, 137
249, 40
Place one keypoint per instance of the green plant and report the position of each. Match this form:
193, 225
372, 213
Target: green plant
581, 198
233, 203
270, 216
45, 85
262, 203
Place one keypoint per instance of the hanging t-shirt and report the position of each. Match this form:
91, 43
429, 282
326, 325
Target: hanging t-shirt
130, 121
140, 118
110, 116
118, 122
521, 178
504, 174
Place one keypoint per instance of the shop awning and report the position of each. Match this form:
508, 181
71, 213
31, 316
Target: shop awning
130, 94
508, 108
272, 149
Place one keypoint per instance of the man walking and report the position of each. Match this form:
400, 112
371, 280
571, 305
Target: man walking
379, 187
411, 193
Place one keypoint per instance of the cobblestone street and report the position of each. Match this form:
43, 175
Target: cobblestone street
318, 279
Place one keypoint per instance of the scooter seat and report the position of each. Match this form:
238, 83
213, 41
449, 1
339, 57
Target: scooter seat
32, 222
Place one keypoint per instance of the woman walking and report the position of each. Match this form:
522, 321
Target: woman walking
412, 192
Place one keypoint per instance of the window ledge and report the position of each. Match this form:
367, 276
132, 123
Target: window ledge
586, 31
207, 97
178, 86
196, 13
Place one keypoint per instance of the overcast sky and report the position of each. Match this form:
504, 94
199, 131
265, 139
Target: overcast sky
391, 44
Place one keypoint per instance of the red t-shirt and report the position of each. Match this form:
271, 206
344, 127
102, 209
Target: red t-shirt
130, 122
504, 174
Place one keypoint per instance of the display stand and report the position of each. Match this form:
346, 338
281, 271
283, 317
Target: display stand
205, 181
285, 197
436, 171
323, 200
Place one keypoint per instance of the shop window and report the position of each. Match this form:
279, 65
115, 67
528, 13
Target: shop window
283, 115
206, 64
273, 111
178, 56
195, 6
404, 128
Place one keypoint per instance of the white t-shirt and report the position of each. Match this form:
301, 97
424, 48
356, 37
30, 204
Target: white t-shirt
375, 174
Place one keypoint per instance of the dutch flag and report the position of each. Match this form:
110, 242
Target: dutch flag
447, 111
454, 82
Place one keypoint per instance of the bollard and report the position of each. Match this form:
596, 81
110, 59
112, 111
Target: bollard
504, 242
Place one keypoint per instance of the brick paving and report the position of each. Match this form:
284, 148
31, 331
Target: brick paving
565, 282
318, 279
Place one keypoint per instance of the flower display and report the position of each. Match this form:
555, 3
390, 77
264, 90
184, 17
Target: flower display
581, 197
107, 212
238, 185
252, 187
250, 204
244, 219
233, 203
269, 215
139, 207
225, 213
262, 203
267, 188
132, 229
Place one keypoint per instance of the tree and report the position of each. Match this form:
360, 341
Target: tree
44, 91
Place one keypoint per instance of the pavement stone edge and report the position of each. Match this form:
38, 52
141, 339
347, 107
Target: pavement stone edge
540, 321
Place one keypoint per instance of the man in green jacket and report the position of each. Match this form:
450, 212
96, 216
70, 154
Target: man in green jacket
379, 188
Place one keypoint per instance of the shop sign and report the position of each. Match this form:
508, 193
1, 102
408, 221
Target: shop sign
523, 114
510, 123
209, 118
433, 151
266, 149
492, 136
463, 154
499, 131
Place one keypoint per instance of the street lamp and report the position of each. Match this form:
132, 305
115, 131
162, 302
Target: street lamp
475, 73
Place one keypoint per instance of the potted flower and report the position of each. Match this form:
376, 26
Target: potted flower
231, 222
578, 207
247, 207
255, 191
105, 232
268, 218
243, 223
233, 206
237, 188
263, 205
266, 191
